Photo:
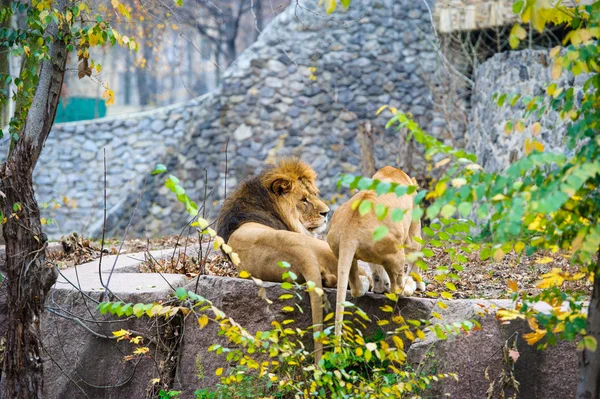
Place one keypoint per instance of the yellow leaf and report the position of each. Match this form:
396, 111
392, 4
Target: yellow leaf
381, 109
226, 248
330, 6
218, 242
244, 274
498, 255
442, 163
509, 314
141, 351
554, 52
556, 70
519, 246
398, 342
235, 258
446, 295
155, 381
219, 371
536, 128
27, 50
544, 260
203, 321
121, 334
519, 32
520, 126
512, 285
534, 337
137, 340
554, 278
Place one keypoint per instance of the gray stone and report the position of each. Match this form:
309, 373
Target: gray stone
267, 92
243, 132
157, 125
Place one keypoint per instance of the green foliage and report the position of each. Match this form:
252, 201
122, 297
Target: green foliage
276, 363
544, 201
78, 26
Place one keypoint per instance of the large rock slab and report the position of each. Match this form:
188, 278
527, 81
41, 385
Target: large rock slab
83, 360
479, 359
239, 299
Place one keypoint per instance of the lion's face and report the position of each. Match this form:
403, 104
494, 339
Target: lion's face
313, 212
299, 201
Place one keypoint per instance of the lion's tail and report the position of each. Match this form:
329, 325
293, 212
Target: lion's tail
346, 254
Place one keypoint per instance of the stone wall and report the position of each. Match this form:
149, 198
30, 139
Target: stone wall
528, 73
271, 103
70, 172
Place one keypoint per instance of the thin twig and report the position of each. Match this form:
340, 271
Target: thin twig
103, 233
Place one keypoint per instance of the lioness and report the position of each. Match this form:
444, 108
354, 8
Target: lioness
351, 237
272, 218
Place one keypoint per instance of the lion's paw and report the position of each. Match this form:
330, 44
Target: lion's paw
421, 286
364, 286
409, 286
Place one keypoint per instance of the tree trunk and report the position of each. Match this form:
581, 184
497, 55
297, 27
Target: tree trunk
589, 361
231, 52
5, 70
258, 11
405, 152
28, 276
367, 149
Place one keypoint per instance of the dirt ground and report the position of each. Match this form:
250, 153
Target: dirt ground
479, 279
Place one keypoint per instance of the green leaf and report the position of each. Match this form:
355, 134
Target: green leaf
380, 232
501, 100
160, 168
365, 183
181, 293
517, 6
433, 210
365, 207
171, 182
103, 307
381, 211
286, 285
383, 188
464, 208
397, 215
416, 214
448, 210
419, 197
345, 3
138, 309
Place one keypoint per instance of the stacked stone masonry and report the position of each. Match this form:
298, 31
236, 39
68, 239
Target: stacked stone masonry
302, 89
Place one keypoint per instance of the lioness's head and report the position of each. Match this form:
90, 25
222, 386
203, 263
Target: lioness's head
292, 184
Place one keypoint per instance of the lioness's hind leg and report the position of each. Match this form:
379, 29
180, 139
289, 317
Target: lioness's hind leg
359, 285
394, 265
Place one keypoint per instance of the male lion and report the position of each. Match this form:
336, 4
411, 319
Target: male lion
351, 238
271, 218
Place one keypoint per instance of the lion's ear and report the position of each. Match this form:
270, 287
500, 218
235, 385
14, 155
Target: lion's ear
281, 186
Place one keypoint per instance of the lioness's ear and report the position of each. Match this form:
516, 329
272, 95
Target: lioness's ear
281, 186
